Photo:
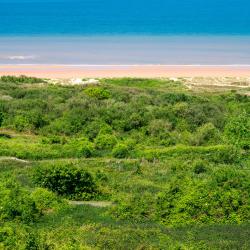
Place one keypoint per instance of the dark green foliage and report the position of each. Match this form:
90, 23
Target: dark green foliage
66, 180
200, 167
1, 119
20, 79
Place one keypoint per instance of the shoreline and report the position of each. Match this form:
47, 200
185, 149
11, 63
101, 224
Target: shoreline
135, 70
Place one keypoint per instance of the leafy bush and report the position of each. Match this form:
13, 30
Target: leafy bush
45, 200
237, 130
1, 119
86, 149
121, 150
96, 127
199, 167
16, 203
205, 134
20, 79
220, 199
218, 154
98, 93
66, 180
21, 123
105, 141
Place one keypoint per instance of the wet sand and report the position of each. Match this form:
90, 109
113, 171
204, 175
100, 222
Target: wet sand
146, 71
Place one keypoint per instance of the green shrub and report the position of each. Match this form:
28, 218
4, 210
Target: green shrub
66, 180
220, 199
199, 167
16, 203
105, 141
95, 127
20, 79
98, 93
54, 140
205, 134
86, 149
1, 118
21, 123
121, 150
237, 130
219, 154
45, 200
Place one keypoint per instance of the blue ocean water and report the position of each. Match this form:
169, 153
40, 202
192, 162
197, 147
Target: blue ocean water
125, 32
121, 17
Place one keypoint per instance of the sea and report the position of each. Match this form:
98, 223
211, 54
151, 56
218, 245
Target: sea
106, 32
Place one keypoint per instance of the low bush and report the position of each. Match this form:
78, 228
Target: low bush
220, 199
46, 200
20, 79
98, 93
66, 180
86, 149
218, 154
1, 118
105, 141
237, 130
121, 150
16, 203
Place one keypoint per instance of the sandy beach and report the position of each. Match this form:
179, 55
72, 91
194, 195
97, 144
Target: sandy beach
146, 71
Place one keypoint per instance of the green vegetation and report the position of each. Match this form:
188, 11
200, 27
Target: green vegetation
126, 164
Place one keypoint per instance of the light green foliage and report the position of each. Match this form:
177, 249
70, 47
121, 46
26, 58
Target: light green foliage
218, 199
45, 200
16, 204
128, 164
98, 93
237, 130
105, 141
121, 150
85, 149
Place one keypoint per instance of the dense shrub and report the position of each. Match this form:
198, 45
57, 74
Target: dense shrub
220, 199
95, 127
199, 167
105, 141
237, 130
20, 79
1, 119
86, 149
206, 134
98, 93
45, 200
121, 150
66, 180
16, 203
21, 123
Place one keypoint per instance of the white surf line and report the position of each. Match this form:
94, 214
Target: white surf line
131, 65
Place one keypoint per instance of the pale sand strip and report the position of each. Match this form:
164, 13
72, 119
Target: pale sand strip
147, 71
